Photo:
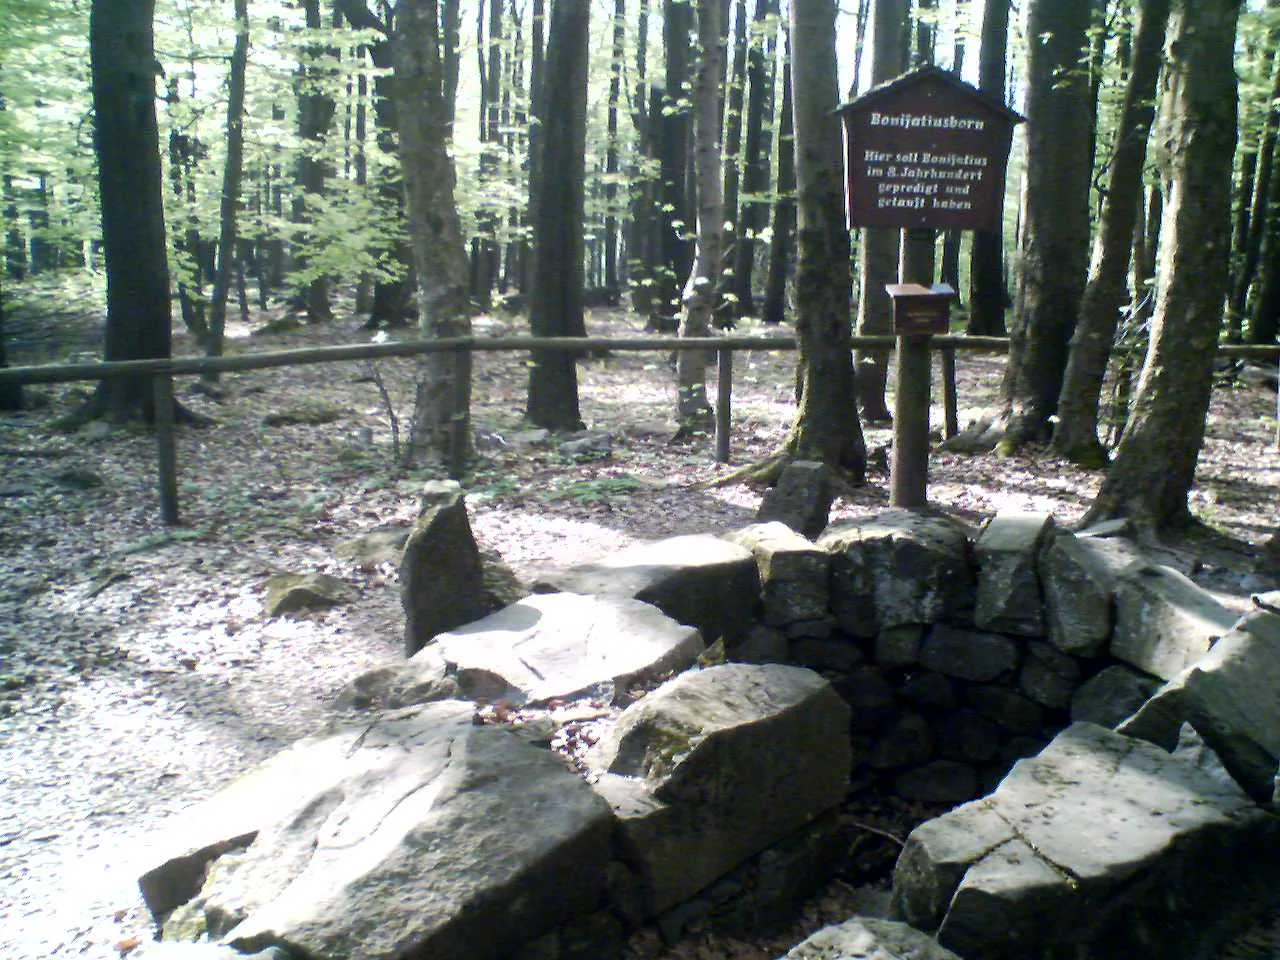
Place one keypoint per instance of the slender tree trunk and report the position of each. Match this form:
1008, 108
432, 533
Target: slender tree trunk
1156, 461
1076, 433
672, 132
230, 203
442, 402
826, 426
315, 113
1055, 227
10, 393
988, 292
784, 207
701, 287
733, 152
555, 302
611, 165
122, 58
950, 268
878, 251
754, 212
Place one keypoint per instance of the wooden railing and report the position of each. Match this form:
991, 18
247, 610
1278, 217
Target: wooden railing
162, 373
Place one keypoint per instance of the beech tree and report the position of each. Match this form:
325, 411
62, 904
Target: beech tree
1156, 461
127, 140
988, 293
1055, 217
1076, 433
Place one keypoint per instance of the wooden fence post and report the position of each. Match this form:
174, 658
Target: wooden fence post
724, 401
950, 403
166, 448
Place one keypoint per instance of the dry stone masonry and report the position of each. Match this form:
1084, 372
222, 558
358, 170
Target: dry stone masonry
1107, 732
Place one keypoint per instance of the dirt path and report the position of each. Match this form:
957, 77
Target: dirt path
138, 673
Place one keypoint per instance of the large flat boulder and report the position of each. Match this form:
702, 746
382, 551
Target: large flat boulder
561, 645
897, 568
1099, 847
1232, 698
420, 834
1164, 621
1008, 554
716, 766
868, 938
700, 580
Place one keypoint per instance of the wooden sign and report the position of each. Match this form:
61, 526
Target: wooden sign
920, 311
927, 150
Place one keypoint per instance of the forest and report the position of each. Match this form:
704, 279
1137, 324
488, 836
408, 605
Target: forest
424, 163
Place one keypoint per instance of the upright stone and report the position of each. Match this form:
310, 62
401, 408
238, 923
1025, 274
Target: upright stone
1164, 622
867, 938
1078, 577
699, 580
897, 568
801, 499
1009, 593
1112, 695
716, 766
794, 574
442, 582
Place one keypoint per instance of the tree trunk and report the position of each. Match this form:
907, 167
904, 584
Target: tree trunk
10, 393
878, 251
123, 63
988, 293
703, 283
753, 211
672, 139
1076, 433
733, 154
611, 166
1156, 461
826, 426
784, 207
1055, 223
555, 301
950, 267
442, 402
315, 111
230, 204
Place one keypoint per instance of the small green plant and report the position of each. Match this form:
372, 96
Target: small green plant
599, 490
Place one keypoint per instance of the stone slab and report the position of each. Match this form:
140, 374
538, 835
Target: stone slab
1164, 622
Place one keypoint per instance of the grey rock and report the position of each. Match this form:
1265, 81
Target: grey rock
899, 646
1009, 595
907, 742
1049, 677
967, 738
801, 499
1008, 709
410, 836
760, 645
1230, 698
423, 678
941, 781
1078, 578
591, 444
897, 568
301, 592
930, 692
369, 550
1164, 622
968, 654
868, 938
699, 580
870, 699
717, 765
793, 573
1269, 601
832, 653
1111, 695
442, 583
561, 645
1095, 847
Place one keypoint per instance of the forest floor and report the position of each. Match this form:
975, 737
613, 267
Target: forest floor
138, 673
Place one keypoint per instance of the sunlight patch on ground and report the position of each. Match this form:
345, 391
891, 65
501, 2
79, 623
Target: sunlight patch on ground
530, 541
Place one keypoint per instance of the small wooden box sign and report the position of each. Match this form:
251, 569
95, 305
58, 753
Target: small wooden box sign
926, 150
920, 311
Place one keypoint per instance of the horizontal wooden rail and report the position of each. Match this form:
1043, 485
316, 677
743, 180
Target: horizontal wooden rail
64, 373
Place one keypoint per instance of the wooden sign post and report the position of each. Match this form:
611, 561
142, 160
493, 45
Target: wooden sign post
924, 152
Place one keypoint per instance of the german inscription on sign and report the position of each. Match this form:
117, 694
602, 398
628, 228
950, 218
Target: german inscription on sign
927, 150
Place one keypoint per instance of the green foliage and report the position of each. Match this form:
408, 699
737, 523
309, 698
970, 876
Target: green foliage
598, 490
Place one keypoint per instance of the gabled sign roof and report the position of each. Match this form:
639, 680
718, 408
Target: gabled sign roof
921, 74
